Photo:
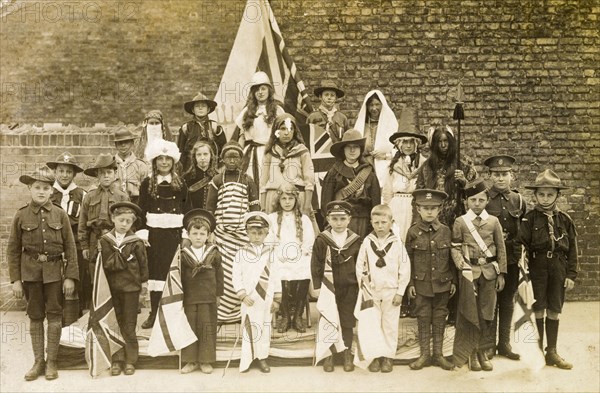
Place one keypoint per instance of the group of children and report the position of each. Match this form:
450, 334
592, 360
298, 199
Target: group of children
242, 215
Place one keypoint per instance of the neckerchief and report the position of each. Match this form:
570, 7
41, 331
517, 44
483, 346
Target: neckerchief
352, 237
549, 213
205, 128
124, 163
196, 264
329, 114
65, 193
381, 253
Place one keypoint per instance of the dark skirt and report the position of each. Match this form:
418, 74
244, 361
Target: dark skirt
163, 244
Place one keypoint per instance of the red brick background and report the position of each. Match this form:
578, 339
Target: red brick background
528, 67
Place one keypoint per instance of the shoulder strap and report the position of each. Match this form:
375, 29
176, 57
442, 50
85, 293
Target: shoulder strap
478, 238
355, 184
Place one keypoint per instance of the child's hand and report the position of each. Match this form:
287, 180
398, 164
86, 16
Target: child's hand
68, 287
569, 284
397, 300
17, 288
412, 292
459, 176
500, 283
452, 290
274, 307
146, 243
218, 301
248, 301
86, 254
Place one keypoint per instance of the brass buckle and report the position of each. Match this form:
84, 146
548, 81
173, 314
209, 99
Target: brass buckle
481, 261
549, 254
42, 258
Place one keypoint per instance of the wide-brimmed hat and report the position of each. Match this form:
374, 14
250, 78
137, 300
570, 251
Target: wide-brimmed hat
189, 106
130, 205
549, 179
161, 147
501, 163
65, 158
200, 213
105, 160
350, 137
260, 78
407, 126
329, 85
124, 134
43, 174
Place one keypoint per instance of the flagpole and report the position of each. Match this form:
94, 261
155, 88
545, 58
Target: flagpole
237, 339
459, 114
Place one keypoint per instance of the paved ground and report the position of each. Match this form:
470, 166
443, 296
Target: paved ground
579, 342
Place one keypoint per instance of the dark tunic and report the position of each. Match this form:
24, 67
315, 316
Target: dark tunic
198, 182
194, 131
132, 258
202, 280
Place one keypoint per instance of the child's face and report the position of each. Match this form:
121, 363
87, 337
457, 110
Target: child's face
154, 122
64, 175
285, 133
382, 224
164, 164
443, 144
257, 235
203, 157
262, 94
501, 179
106, 176
406, 146
198, 236
124, 148
287, 202
428, 213
328, 98
338, 222
40, 192
546, 196
232, 160
200, 109
352, 153
374, 108
477, 202
123, 222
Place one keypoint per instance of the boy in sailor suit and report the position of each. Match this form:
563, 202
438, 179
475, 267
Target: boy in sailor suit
257, 284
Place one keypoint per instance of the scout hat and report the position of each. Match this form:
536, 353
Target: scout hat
407, 127
161, 147
124, 134
43, 174
329, 85
129, 205
65, 158
256, 219
105, 160
201, 214
426, 197
232, 145
338, 208
475, 187
500, 163
350, 137
260, 78
189, 106
549, 179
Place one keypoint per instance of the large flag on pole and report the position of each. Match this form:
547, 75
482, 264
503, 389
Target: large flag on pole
259, 46
103, 337
171, 331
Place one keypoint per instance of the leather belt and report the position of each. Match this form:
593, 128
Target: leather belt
482, 260
40, 257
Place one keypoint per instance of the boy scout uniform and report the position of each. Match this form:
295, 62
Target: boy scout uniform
41, 252
131, 170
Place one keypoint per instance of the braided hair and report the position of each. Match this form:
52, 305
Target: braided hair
296, 210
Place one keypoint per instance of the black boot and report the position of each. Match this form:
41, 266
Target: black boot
37, 342
348, 360
300, 297
54, 330
154, 302
328, 364
424, 342
539, 322
284, 322
474, 362
505, 320
485, 363
438, 340
552, 357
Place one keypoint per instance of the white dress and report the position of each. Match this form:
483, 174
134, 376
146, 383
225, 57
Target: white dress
292, 255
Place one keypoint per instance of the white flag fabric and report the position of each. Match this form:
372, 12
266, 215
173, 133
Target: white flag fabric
171, 331
259, 46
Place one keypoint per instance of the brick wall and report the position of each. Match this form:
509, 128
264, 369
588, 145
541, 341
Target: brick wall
528, 67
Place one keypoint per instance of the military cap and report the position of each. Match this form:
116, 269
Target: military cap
202, 214
501, 163
338, 207
426, 197
475, 187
